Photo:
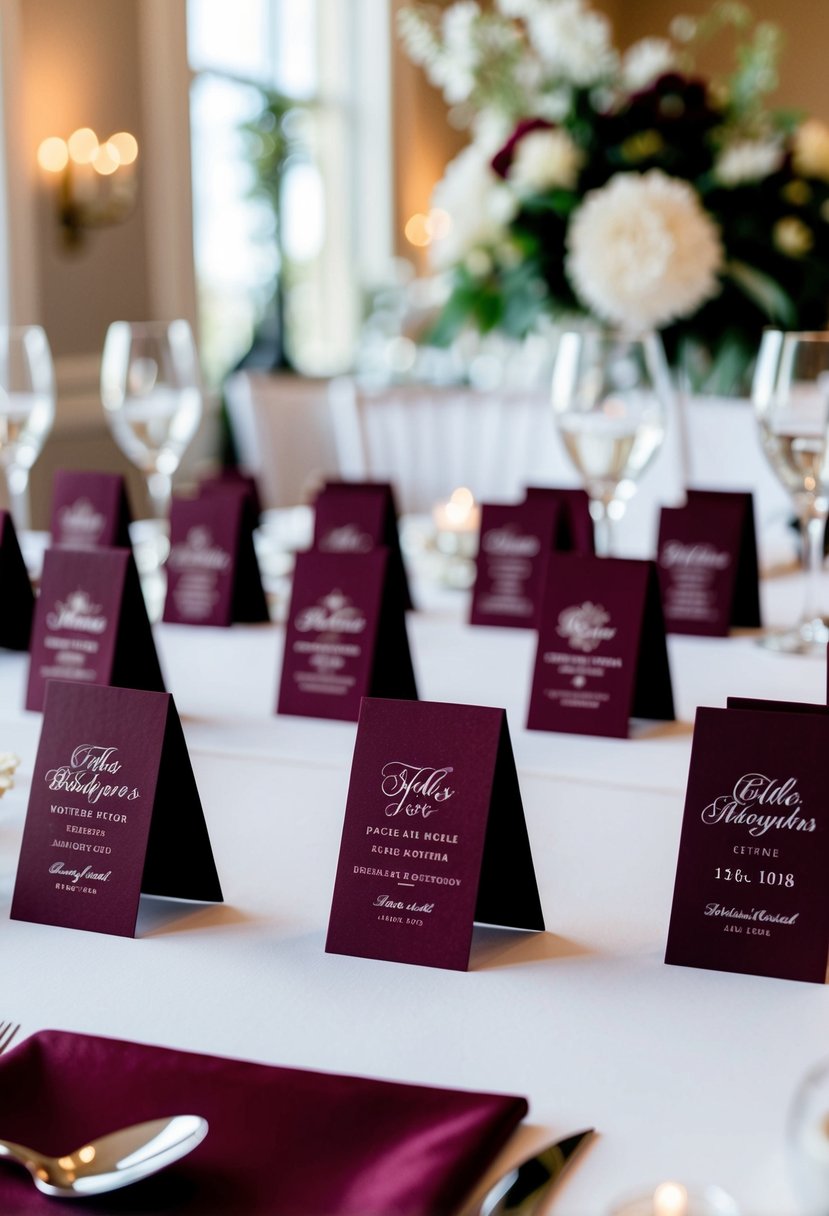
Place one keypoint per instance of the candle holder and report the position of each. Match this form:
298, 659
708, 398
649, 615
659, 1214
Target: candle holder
96, 182
676, 1199
457, 522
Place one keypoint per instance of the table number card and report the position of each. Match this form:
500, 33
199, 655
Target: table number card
90, 510
17, 600
434, 836
574, 531
356, 517
113, 812
750, 893
345, 637
707, 563
512, 559
212, 572
602, 657
91, 624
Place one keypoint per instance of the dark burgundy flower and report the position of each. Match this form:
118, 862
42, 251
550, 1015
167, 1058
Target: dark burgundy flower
503, 158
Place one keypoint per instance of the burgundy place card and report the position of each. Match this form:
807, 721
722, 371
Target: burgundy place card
574, 530
345, 637
515, 542
212, 572
234, 479
17, 599
90, 510
113, 812
707, 563
91, 624
602, 657
356, 517
434, 836
750, 893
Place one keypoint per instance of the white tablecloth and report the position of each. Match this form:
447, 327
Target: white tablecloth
686, 1074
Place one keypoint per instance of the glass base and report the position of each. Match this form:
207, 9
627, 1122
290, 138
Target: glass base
809, 637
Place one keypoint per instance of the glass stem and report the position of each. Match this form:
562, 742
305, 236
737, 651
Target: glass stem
17, 482
160, 488
813, 526
602, 526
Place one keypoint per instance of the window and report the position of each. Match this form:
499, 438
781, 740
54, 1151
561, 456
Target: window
334, 197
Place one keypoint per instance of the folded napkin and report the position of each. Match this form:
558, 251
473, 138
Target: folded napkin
282, 1141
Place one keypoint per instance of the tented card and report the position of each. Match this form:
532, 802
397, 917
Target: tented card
212, 571
113, 812
17, 599
602, 657
91, 624
575, 524
356, 517
707, 563
90, 510
750, 893
515, 542
434, 836
345, 637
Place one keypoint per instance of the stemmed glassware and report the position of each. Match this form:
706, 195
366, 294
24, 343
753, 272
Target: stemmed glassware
27, 409
790, 391
807, 1141
610, 396
152, 395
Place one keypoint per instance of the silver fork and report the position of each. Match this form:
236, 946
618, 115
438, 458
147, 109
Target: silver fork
8, 1030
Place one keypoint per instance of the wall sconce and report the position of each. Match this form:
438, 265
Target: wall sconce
96, 183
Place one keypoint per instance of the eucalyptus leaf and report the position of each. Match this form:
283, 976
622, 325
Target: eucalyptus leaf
763, 291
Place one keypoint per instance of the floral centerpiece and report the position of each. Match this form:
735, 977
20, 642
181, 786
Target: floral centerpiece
624, 186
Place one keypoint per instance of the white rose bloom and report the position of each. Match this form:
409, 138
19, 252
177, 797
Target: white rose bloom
8, 763
454, 69
544, 160
572, 41
811, 149
646, 61
478, 204
748, 160
517, 8
642, 251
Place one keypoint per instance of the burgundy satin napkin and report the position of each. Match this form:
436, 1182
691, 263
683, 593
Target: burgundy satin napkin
282, 1141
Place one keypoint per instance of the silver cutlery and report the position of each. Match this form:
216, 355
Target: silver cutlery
113, 1161
523, 1190
8, 1030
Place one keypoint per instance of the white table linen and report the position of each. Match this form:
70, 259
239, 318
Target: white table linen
686, 1074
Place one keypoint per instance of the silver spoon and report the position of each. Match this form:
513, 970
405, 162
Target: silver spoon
116, 1160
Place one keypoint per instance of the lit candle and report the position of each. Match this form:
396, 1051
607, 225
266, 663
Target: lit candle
459, 513
674, 1199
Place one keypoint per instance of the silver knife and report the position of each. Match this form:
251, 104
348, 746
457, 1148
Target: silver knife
522, 1190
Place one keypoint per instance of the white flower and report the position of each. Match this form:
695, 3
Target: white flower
572, 41
748, 160
517, 8
642, 251
544, 160
478, 204
811, 149
646, 61
554, 106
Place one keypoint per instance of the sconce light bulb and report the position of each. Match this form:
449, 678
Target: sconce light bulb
124, 147
105, 161
53, 154
83, 145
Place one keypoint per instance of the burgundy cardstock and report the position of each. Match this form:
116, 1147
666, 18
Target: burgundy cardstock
707, 564
90, 510
235, 479
602, 657
212, 572
17, 599
750, 893
356, 517
113, 812
574, 529
91, 624
515, 542
434, 836
345, 637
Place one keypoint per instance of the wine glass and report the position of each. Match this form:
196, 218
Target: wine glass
807, 1141
151, 390
610, 396
27, 409
790, 391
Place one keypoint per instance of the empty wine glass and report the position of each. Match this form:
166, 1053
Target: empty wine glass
610, 397
151, 390
790, 391
27, 409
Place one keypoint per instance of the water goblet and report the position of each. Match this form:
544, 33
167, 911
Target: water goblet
27, 410
152, 396
790, 391
610, 395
